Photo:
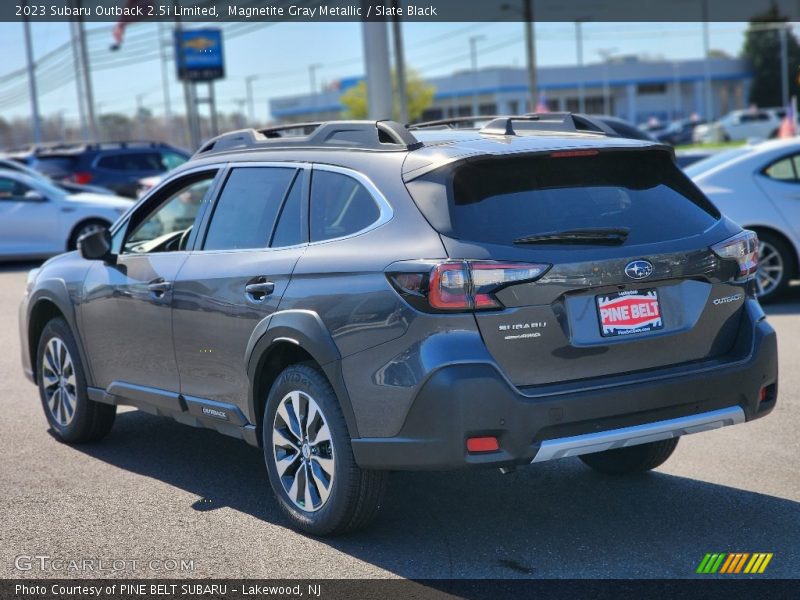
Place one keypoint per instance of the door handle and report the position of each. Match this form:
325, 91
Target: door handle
159, 287
259, 289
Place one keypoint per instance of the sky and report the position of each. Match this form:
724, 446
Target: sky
280, 54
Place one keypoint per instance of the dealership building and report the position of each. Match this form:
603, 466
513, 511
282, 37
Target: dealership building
627, 87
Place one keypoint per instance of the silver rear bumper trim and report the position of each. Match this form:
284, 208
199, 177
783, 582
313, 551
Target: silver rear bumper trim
638, 434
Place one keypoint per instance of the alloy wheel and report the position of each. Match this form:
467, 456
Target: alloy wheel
770, 269
303, 451
59, 382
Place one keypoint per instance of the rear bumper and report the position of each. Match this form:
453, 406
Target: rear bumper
470, 400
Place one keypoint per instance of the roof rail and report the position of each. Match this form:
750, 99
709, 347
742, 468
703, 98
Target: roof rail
450, 123
354, 135
555, 121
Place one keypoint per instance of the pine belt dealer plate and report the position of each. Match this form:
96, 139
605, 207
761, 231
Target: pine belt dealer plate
632, 311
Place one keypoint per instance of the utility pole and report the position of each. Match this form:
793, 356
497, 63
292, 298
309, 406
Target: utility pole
378, 70
400, 64
530, 47
312, 80
86, 76
76, 60
32, 91
784, 31
706, 63
606, 54
579, 52
165, 80
251, 109
473, 53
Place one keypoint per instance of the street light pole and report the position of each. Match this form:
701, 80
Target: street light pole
706, 63
606, 54
784, 65
34, 95
251, 109
400, 64
530, 47
473, 52
579, 52
378, 69
312, 79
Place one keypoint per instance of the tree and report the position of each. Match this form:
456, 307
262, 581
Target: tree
419, 94
762, 50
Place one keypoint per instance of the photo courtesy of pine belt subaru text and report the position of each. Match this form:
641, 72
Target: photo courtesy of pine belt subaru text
360, 297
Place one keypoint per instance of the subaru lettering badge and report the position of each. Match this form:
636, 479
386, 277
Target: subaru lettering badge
639, 269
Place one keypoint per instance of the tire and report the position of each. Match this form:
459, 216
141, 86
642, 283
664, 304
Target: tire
83, 228
635, 459
72, 416
775, 259
342, 497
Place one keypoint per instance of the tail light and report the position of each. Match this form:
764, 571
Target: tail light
743, 248
463, 285
82, 178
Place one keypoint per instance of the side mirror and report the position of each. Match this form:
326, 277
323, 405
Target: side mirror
34, 196
96, 245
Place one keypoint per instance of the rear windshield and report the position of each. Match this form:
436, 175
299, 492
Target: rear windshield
499, 200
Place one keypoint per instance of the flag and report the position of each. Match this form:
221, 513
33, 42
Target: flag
788, 128
131, 10
541, 105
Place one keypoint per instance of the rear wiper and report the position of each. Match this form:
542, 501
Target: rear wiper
600, 235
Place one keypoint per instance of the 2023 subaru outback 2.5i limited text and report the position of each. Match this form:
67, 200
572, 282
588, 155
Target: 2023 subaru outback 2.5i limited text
361, 297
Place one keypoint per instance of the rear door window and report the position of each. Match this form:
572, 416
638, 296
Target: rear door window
497, 200
56, 167
340, 206
245, 214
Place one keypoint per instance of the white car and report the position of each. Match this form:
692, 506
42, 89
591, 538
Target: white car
759, 188
38, 219
741, 125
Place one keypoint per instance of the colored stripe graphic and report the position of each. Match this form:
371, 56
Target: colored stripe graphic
734, 562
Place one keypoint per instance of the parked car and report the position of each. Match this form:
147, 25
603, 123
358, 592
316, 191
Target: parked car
680, 131
368, 298
70, 188
741, 125
39, 219
623, 128
117, 166
759, 188
687, 158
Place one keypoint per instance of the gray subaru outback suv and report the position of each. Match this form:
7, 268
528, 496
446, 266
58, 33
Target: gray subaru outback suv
362, 297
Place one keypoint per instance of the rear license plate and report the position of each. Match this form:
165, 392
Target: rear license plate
633, 311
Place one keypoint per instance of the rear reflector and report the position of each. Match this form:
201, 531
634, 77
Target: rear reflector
482, 444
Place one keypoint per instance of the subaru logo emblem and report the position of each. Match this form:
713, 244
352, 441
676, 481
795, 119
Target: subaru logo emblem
639, 269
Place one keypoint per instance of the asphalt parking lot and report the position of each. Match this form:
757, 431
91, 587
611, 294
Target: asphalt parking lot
157, 490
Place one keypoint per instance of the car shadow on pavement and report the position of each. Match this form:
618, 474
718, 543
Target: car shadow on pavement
557, 519
788, 304
19, 266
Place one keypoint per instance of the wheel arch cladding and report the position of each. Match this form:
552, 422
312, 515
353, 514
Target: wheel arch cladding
46, 305
286, 338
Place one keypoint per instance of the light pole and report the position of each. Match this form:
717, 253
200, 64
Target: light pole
677, 109
706, 62
251, 109
400, 64
606, 54
37, 122
312, 79
473, 52
784, 32
139, 105
579, 53
530, 51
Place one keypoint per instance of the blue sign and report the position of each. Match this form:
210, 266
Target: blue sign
198, 54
